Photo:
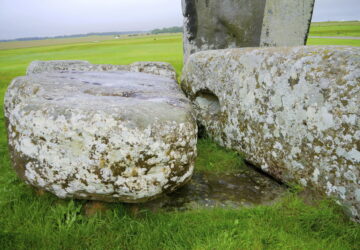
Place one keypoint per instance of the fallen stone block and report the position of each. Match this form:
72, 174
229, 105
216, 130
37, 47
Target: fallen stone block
294, 112
245, 23
108, 136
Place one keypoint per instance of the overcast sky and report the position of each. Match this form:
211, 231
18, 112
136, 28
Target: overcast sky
28, 18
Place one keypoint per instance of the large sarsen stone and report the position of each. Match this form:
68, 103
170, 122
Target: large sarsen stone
110, 136
245, 23
295, 112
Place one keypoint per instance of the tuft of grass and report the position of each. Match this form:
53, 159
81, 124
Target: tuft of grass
216, 159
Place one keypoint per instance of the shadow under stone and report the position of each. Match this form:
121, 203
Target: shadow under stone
244, 188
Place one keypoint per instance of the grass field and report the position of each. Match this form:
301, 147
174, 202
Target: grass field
30, 221
64, 41
335, 29
49, 42
327, 41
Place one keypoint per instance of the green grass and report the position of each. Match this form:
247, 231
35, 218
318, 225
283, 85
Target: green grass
215, 159
28, 221
152, 48
327, 41
335, 29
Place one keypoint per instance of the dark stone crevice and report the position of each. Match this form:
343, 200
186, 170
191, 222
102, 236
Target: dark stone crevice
206, 99
190, 13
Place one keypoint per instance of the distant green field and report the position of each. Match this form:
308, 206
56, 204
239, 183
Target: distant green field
57, 41
29, 221
332, 41
335, 29
64, 41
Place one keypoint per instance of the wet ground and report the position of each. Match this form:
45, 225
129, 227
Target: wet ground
244, 188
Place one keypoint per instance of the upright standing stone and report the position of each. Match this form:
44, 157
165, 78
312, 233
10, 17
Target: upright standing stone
286, 22
244, 23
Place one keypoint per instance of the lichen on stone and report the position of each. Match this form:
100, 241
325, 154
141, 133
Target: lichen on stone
110, 136
292, 111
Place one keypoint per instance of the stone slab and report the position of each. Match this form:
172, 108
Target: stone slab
294, 112
109, 136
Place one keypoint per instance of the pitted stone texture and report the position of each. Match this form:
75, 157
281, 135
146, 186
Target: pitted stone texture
292, 111
110, 136
155, 68
244, 23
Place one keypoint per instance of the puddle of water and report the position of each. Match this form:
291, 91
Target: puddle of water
244, 188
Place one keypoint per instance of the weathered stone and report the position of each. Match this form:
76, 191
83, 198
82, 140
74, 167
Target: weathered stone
245, 23
155, 68
295, 112
109, 136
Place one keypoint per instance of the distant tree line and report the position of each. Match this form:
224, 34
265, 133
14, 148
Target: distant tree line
175, 29
76, 35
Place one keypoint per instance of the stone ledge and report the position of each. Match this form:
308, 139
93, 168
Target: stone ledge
155, 68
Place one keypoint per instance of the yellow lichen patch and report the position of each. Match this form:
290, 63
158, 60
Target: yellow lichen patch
102, 163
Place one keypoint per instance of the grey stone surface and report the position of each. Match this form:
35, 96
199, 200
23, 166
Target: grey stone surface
294, 112
286, 22
244, 23
155, 68
244, 188
109, 136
